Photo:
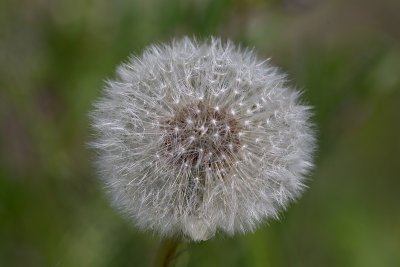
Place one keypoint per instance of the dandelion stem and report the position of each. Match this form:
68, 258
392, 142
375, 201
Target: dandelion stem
166, 252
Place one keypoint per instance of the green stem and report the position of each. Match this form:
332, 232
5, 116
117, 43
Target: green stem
165, 252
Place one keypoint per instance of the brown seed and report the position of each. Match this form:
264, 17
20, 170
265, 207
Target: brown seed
201, 136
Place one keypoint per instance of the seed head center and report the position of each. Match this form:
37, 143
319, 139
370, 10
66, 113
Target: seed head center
201, 136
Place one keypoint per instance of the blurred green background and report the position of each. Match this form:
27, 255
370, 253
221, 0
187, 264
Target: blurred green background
54, 56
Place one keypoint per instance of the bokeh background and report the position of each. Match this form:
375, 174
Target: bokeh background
54, 56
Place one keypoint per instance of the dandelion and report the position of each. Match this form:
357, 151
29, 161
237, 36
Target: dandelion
198, 137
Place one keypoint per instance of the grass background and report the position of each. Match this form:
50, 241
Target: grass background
54, 56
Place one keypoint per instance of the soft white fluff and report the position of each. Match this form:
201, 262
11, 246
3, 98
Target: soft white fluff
152, 178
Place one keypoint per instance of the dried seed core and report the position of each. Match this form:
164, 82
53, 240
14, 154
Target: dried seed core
201, 136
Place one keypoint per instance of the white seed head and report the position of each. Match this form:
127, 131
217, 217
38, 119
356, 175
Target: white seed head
195, 137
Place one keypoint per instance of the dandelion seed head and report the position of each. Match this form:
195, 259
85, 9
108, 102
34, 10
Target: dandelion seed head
198, 137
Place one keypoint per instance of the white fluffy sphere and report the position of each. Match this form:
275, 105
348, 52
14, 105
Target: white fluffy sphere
194, 137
